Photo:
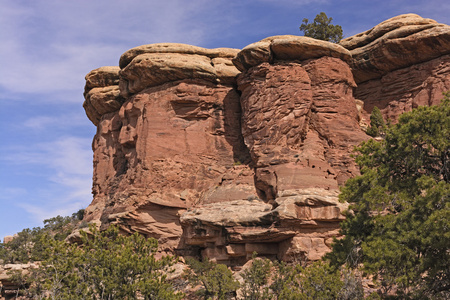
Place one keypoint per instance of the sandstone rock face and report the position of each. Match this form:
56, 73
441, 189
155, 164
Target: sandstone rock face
287, 47
8, 239
300, 225
299, 122
153, 65
101, 93
402, 90
400, 64
302, 116
396, 43
170, 145
222, 152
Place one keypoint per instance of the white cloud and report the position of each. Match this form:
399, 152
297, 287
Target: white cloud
66, 165
67, 155
41, 122
51, 45
40, 213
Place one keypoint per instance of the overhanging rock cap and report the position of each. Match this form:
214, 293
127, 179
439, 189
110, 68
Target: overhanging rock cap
286, 48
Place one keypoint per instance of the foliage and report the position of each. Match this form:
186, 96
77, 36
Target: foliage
79, 215
352, 287
401, 202
377, 124
273, 280
20, 248
107, 265
216, 279
256, 278
27, 246
317, 281
322, 29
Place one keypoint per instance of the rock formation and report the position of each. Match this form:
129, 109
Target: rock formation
9, 288
400, 64
223, 152
171, 143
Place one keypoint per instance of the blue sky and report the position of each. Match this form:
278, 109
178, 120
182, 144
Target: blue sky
48, 46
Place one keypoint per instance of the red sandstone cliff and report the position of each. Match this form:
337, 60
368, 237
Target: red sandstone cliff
400, 64
222, 152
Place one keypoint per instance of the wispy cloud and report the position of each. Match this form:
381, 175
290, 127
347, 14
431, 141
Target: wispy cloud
66, 165
68, 155
49, 46
41, 122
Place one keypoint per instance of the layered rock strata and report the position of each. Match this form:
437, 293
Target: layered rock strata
299, 122
224, 152
208, 168
400, 64
171, 143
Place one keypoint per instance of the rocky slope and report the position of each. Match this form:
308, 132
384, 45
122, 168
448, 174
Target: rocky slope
223, 152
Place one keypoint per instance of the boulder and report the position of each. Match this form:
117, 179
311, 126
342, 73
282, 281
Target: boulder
8, 287
129, 55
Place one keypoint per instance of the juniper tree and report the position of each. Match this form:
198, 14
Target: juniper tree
377, 124
216, 280
322, 29
401, 202
107, 265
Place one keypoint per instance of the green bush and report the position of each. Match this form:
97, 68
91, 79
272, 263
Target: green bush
107, 265
216, 280
27, 247
401, 206
377, 124
256, 279
322, 29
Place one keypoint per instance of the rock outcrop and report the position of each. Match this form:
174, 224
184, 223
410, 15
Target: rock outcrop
299, 122
101, 93
8, 288
8, 239
171, 144
400, 64
224, 152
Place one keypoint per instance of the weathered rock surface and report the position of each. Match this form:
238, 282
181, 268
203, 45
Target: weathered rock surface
222, 160
400, 64
101, 93
153, 65
306, 222
402, 90
299, 122
170, 145
8, 239
287, 47
8, 288
396, 43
